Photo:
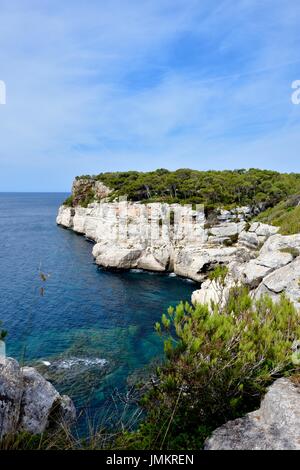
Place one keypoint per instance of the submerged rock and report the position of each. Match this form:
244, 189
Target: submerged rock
275, 426
30, 403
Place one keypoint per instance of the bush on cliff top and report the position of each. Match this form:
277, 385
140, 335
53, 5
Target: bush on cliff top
69, 201
216, 188
217, 367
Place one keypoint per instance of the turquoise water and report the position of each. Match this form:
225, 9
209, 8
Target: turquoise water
91, 332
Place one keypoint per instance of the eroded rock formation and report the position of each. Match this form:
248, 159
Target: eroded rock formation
29, 403
175, 238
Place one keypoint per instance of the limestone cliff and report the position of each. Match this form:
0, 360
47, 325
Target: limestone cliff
157, 237
180, 239
162, 237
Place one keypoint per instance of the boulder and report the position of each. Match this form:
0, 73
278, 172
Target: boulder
155, 259
227, 230
263, 230
249, 239
254, 271
116, 257
195, 263
257, 234
283, 280
30, 403
42, 406
277, 243
274, 426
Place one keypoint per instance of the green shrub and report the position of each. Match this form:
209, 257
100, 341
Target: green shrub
88, 198
219, 273
285, 215
217, 367
228, 188
69, 201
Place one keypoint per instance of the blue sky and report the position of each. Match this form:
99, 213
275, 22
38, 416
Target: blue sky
135, 84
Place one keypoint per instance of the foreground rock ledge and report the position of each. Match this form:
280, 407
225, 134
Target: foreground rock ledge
275, 426
29, 403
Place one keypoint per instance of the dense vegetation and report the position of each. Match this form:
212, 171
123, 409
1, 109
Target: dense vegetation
285, 215
217, 366
212, 188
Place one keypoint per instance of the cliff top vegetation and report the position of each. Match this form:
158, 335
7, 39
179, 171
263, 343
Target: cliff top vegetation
226, 188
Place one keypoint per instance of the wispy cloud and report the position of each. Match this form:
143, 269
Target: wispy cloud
96, 86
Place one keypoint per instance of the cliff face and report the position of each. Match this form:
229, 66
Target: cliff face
175, 238
162, 237
157, 237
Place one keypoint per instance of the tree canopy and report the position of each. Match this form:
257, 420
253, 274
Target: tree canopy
216, 188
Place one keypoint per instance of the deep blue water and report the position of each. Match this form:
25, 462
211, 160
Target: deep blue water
86, 314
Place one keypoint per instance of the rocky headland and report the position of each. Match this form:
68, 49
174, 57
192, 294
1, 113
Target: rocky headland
188, 242
184, 240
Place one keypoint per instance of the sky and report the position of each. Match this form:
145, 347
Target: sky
112, 85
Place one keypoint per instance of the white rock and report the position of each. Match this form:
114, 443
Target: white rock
280, 242
275, 426
266, 230
283, 280
213, 292
255, 270
196, 263
65, 216
28, 402
42, 406
118, 258
253, 273
10, 395
249, 239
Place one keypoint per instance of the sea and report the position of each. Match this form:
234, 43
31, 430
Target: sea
88, 330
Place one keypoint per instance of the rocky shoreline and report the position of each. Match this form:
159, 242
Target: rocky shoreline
175, 239
131, 235
253, 254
